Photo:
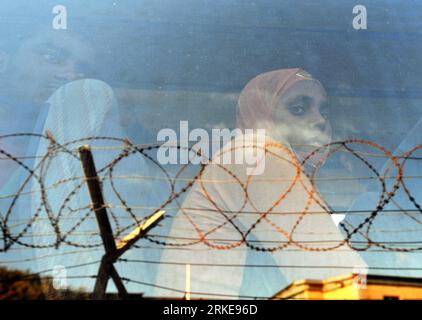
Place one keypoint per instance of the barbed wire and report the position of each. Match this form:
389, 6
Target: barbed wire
59, 205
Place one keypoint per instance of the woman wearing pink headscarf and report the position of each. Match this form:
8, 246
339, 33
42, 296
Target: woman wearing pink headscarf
273, 212
289, 104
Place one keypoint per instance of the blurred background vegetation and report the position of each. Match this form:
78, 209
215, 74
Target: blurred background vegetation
23, 285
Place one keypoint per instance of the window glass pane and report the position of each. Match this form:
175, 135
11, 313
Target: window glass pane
335, 87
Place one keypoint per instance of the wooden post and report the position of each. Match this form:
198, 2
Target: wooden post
112, 252
97, 198
101, 281
106, 267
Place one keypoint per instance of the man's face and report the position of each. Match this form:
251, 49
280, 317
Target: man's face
45, 63
300, 116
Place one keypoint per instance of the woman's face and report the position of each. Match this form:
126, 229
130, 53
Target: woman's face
301, 115
46, 62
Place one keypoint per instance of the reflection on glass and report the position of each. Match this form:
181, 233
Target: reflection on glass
274, 212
